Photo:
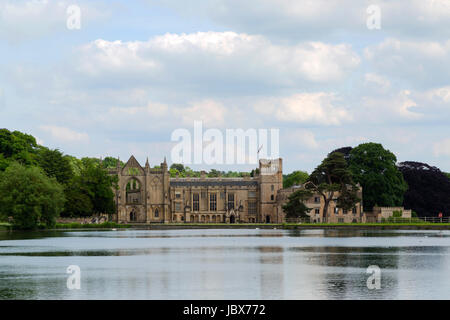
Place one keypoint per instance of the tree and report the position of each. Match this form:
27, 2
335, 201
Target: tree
295, 206
17, 146
429, 189
374, 168
79, 203
332, 177
295, 178
447, 174
30, 197
97, 184
111, 163
345, 151
177, 166
55, 164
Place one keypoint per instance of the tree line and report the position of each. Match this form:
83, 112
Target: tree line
386, 183
38, 184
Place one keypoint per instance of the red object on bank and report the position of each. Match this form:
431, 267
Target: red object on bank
440, 214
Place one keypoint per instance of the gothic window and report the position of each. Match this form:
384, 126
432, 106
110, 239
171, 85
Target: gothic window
195, 202
213, 202
178, 206
230, 201
354, 210
252, 207
156, 213
133, 191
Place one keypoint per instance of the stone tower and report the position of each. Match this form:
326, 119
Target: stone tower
270, 181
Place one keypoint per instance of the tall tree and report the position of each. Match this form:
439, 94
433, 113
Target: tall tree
110, 162
333, 178
55, 164
295, 178
295, 207
97, 184
177, 166
17, 146
374, 168
429, 189
29, 196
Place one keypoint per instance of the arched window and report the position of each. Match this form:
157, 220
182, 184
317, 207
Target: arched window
133, 215
133, 191
156, 213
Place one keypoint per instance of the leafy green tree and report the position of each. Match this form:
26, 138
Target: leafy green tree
428, 189
110, 163
295, 206
447, 174
330, 178
17, 146
177, 166
4, 163
97, 184
79, 203
29, 196
55, 164
374, 168
214, 173
295, 178
174, 172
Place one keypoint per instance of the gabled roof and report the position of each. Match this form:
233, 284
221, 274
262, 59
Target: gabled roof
132, 163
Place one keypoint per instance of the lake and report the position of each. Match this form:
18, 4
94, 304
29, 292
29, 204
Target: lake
225, 264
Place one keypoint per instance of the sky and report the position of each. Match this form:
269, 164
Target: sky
317, 70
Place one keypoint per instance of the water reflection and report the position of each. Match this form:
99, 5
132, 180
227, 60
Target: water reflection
225, 264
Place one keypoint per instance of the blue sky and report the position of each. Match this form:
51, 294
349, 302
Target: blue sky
138, 70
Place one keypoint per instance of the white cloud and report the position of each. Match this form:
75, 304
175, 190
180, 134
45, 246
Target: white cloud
306, 19
65, 134
442, 148
301, 138
210, 112
203, 58
315, 108
153, 109
390, 107
377, 82
422, 63
27, 19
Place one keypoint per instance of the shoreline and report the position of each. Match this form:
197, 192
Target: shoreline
378, 226
143, 226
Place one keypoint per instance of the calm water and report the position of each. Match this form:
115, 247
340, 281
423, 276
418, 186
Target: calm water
225, 264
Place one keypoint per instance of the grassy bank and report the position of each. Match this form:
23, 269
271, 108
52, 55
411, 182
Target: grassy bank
4, 226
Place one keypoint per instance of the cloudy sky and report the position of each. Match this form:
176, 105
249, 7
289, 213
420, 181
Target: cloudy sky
137, 70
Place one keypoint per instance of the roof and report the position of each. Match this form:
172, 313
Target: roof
212, 183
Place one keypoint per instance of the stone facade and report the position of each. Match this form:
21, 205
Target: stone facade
316, 203
149, 195
380, 214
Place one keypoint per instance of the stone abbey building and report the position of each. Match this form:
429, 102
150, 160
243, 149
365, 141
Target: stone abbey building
150, 195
